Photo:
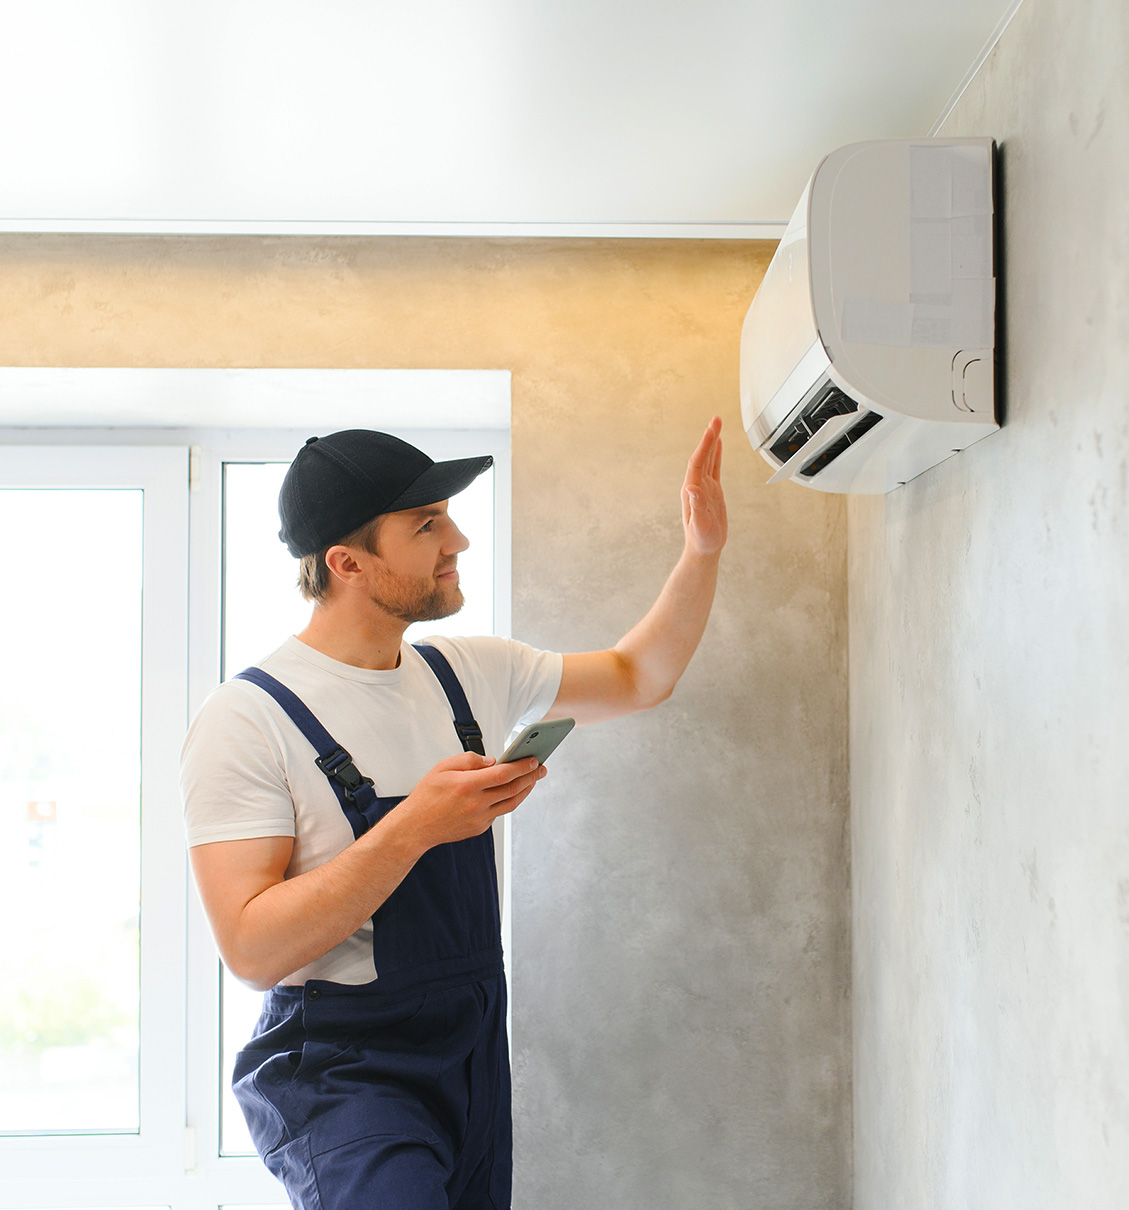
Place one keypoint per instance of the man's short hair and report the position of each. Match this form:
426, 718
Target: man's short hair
313, 571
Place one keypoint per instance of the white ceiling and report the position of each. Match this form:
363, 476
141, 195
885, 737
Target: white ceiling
662, 116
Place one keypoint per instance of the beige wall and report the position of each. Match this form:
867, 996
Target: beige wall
680, 963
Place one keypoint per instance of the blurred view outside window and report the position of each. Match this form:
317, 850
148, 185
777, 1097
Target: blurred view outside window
70, 820
262, 606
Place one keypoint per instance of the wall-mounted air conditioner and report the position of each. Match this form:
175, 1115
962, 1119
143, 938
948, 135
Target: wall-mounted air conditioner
867, 355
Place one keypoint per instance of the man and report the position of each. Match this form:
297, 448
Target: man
341, 842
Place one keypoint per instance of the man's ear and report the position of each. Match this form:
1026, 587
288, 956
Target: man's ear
342, 563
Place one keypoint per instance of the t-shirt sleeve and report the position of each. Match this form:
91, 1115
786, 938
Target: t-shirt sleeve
524, 679
232, 776
535, 682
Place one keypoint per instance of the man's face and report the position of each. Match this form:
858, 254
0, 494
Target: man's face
414, 577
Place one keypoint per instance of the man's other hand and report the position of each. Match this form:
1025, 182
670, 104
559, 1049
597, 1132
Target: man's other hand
463, 795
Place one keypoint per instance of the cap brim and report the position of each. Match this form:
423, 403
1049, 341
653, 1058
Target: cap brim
440, 481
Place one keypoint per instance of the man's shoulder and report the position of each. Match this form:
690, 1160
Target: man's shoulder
232, 709
489, 655
468, 646
519, 676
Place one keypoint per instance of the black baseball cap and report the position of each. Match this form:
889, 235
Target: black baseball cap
339, 482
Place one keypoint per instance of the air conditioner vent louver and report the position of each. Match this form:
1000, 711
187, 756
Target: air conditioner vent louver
864, 425
829, 402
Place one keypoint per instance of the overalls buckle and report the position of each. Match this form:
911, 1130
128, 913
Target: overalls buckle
339, 767
471, 736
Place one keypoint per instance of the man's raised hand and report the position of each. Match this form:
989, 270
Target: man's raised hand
703, 502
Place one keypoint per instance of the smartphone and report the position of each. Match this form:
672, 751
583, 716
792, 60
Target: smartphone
538, 740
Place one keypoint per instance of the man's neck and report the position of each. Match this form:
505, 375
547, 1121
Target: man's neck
368, 640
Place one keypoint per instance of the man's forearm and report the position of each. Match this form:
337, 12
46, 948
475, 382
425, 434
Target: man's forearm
266, 927
658, 649
642, 669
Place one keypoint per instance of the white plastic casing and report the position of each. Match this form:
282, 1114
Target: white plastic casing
883, 287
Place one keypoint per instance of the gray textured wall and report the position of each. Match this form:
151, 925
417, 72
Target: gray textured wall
681, 956
990, 697
681, 967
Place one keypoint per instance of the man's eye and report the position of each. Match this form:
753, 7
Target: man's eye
426, 527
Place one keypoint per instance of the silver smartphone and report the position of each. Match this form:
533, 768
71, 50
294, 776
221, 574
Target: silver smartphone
538, 740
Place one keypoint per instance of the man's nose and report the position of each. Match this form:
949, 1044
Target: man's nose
457, 541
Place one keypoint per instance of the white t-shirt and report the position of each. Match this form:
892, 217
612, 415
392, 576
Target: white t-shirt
247, 771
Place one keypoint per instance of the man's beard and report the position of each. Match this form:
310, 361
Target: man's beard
416, 600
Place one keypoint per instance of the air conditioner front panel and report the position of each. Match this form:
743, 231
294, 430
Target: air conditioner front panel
901, 252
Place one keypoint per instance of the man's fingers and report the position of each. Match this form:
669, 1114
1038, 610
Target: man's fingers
519, 793
510, 805
492, 772
700, 456
523, 783
705, 461
466, 762
483, 775
501, 775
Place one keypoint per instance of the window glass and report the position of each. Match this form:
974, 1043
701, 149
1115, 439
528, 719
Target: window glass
70, 768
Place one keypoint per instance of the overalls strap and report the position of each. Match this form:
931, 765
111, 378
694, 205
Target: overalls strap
470, 733
354, 791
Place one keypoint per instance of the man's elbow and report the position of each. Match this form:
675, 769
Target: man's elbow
256, 982
253, 971
652, 696
640, 692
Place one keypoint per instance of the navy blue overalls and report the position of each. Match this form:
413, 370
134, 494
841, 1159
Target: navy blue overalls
395, 1094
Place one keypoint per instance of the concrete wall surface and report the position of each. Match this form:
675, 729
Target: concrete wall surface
681, 939
681, 972
990, 697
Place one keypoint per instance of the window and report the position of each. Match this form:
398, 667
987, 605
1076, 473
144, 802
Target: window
134, 585
70, 819
92, 701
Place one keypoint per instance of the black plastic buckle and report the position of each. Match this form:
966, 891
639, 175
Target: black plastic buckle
338, 766
471, 736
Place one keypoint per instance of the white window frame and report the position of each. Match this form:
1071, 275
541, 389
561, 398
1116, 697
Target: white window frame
39, 1169
174, 1160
